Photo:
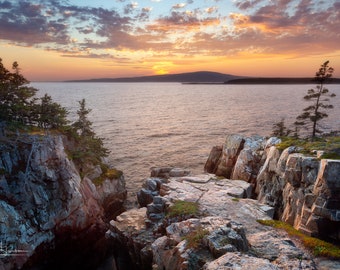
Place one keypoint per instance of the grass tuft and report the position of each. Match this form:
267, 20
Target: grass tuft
317, 246
329, 144
194, 238
183, 208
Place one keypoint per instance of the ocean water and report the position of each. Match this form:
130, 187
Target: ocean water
171, 124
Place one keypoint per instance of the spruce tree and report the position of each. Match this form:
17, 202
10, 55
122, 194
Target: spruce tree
83, 125
89, 148
279, 129
319, 97
19, 105
16, 96
50, 114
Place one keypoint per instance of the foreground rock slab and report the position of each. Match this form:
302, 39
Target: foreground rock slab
223, 234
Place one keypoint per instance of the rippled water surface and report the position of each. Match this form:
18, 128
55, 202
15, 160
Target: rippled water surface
161, 124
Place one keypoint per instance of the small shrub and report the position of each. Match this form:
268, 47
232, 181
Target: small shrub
317, 246
107, 174
235, 199
183, 208
194, 238
113, 174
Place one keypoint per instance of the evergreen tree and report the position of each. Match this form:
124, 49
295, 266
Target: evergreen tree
18, 103
83, 125
319, 97
16, 97
89, 148
50, 114
280, 129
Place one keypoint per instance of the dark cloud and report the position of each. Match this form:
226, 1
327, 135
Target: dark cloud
264, 26
282, 27
179, 18
305, 16
85, 30
30, 10
5, 5
129, 8
26, 23
96, 55
179, 6
244, 5
143, 15
39, 22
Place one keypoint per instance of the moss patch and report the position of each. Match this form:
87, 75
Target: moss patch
317, 246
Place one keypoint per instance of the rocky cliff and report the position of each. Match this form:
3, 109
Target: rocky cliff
45, 204
222, 233
247, 179
303, 190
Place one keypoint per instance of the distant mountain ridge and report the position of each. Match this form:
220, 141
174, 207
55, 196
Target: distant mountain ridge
208, 77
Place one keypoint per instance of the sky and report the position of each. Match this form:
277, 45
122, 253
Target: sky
56, 40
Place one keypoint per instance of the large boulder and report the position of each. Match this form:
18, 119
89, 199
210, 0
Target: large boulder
225, 164
249, 160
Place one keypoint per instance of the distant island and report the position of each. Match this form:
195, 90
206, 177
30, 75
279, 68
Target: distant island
206, 77
278, 81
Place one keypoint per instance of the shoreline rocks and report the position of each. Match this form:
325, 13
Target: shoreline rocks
46, 205
246, 179
226, 228
303, 191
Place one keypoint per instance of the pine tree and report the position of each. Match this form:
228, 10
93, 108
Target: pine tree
89, 148
83, 125
280, 129
18, 104
50, 114
319, 97
16, 97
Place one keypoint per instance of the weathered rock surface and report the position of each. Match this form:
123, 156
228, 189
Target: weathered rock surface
303, 191
230, 151
43, 198
227, 233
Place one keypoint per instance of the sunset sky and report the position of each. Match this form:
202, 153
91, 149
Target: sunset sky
79, 39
